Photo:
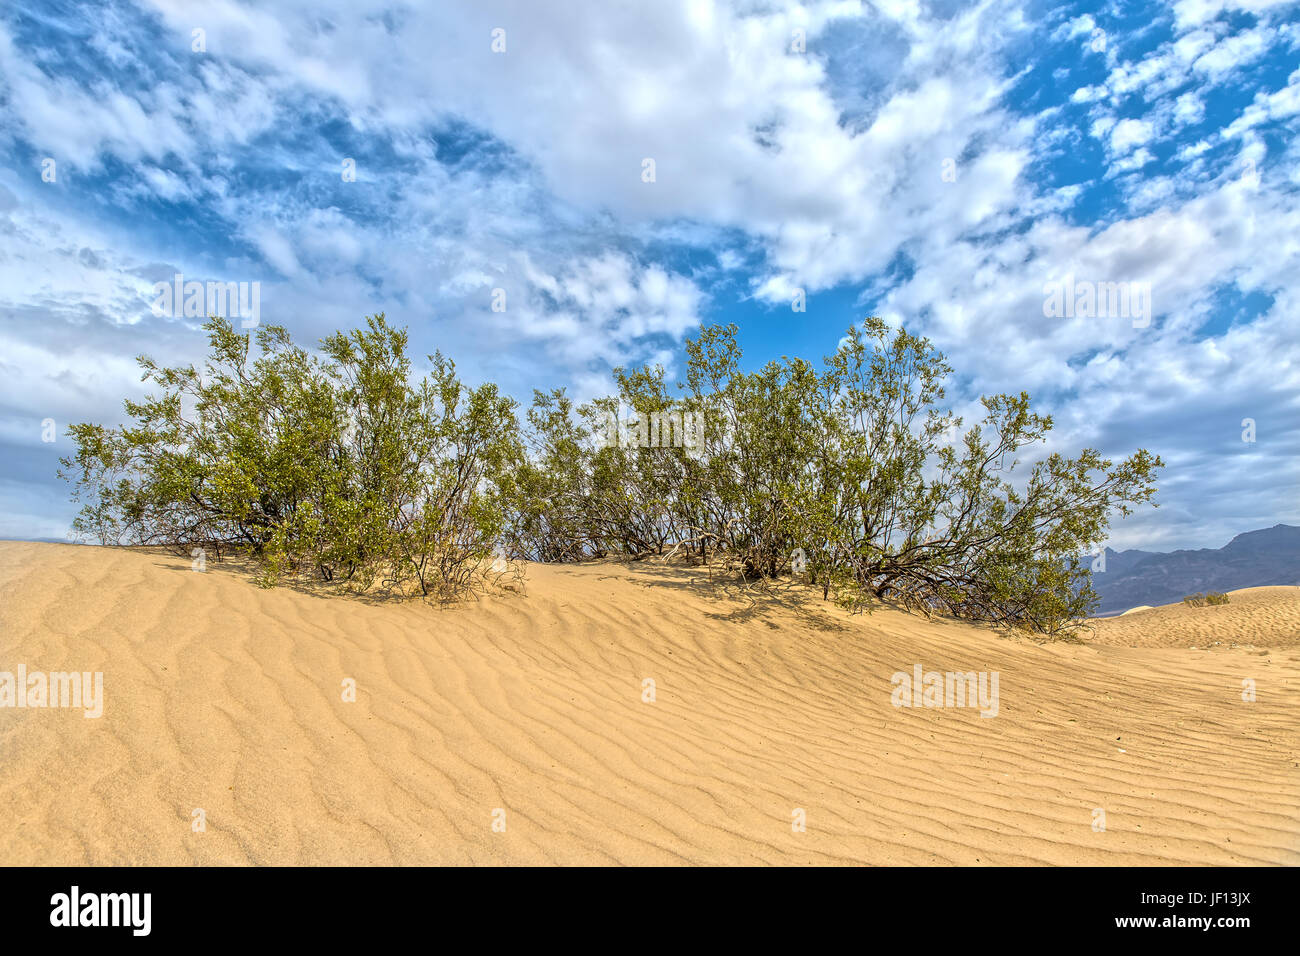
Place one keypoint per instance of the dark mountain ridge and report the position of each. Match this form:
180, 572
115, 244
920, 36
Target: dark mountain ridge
1252, 559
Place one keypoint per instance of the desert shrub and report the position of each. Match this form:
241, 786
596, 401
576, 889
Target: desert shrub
1216, 597
854, 476
551, 484
334, 465
846, 468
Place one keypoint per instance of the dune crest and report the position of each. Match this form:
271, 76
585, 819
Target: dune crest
533, 710
1264, 617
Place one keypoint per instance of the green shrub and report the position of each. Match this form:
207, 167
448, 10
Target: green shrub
844, 467
335, 465
339, 466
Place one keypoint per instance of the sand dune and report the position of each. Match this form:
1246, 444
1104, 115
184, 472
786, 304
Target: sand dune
1263, 618
228, 698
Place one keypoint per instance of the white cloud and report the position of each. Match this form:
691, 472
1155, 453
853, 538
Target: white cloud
1129, 133
759, 164
1282, 104
1189, 108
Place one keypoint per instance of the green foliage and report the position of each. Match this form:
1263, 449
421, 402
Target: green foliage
847, 469
1202, 599
853, 476
333, 465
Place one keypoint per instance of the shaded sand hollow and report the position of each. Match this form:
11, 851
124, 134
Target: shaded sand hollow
226, 698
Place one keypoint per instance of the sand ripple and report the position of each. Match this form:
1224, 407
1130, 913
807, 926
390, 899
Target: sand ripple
228, 698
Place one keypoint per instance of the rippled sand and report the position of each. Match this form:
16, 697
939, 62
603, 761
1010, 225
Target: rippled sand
228, 698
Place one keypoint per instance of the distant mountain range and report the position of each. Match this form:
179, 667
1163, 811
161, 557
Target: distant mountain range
1253, 559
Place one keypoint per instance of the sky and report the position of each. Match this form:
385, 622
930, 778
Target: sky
611, 175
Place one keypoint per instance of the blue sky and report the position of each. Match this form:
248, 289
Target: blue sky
940, 164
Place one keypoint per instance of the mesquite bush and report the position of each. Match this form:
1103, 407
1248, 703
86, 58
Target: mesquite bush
853, 476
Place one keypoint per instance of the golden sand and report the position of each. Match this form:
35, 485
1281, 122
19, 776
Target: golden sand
1265, 618
223, 697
